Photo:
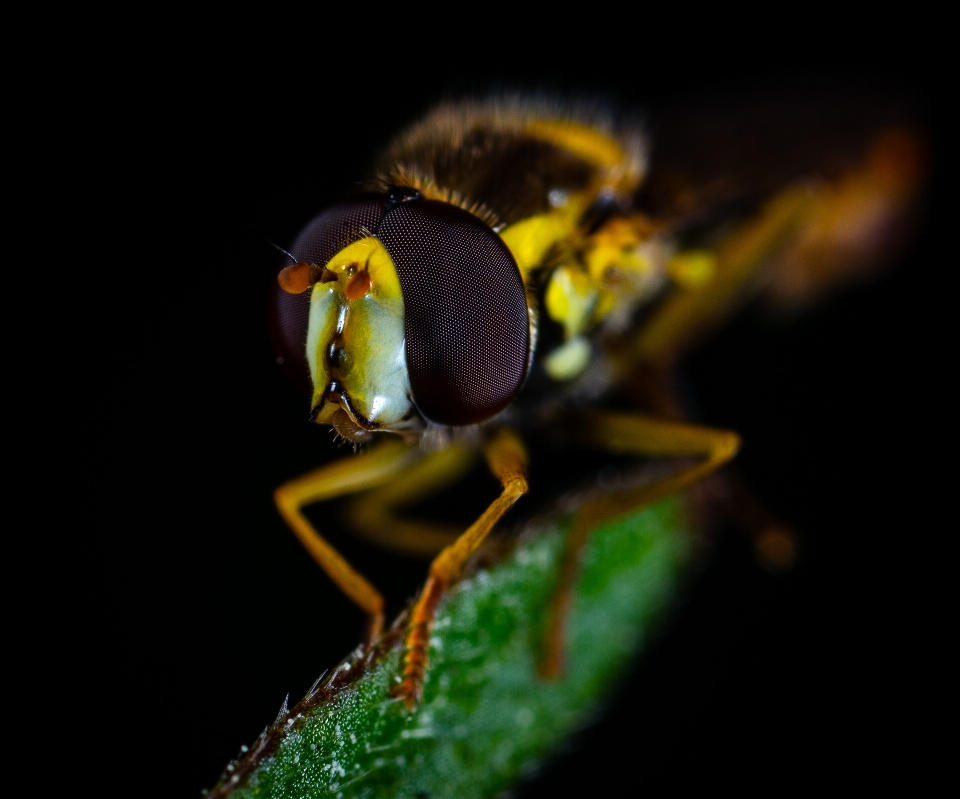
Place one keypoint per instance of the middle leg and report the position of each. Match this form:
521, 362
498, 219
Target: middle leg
632, 434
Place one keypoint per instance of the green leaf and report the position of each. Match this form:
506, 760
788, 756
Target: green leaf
487, 717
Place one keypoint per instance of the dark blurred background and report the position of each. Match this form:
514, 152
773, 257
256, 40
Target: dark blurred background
199, 609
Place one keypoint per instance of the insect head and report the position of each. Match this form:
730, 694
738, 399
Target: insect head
413, 312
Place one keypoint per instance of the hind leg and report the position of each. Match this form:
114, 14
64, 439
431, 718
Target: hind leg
632, 434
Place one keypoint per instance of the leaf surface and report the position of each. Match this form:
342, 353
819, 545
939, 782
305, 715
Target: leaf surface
487, 718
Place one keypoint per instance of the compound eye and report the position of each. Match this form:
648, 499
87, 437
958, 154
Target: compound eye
466, 322
327, 234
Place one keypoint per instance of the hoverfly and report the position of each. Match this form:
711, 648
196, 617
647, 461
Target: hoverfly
508, 266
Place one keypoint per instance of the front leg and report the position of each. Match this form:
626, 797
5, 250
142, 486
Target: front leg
374, 468
507, 459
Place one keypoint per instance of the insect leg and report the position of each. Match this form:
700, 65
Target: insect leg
507, 459
633, 434
375, 515
688, 313
775, 543
343, 477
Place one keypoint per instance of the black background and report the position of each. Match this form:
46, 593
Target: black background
200, 611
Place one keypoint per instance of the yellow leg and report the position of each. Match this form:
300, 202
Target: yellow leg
346, 476
374, 515
632, 434
507, 460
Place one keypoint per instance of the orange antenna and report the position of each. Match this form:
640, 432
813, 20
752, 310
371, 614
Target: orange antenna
300, 275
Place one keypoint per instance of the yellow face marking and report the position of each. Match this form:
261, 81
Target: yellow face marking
368, 255
356, 338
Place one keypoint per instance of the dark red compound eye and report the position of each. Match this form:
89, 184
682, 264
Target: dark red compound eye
466, 322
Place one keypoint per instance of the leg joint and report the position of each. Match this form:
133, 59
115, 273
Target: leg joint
517, 487
281, 497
